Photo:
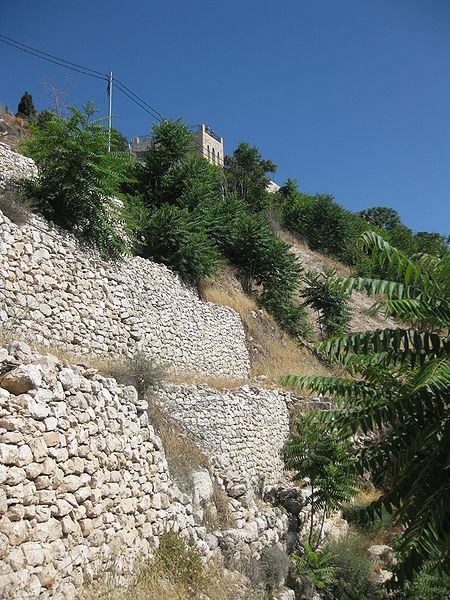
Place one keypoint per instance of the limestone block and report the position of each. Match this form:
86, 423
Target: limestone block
38, 449
22, 379
202, 486
9, 455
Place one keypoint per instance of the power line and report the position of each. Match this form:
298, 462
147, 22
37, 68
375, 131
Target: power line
160, 116
83, 70
59, 62
140, 103
52, 56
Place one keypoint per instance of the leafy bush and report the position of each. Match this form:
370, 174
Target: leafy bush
177, 238
265, 263
314, 568
427, 584
77, 178
330, 305
355, 515
325, 224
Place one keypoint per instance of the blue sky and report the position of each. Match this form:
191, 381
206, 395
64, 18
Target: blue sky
349, 97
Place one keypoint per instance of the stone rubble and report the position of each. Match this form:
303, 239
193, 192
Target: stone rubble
14, 166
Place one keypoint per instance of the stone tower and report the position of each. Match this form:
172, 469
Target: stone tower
209, 144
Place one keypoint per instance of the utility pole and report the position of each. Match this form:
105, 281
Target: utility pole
110, 109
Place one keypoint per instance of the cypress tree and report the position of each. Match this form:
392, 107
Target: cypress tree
26, 107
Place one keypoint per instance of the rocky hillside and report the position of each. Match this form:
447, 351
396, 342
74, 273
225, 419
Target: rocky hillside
100, 456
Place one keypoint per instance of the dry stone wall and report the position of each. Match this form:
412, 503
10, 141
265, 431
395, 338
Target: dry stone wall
83, 477
241, 429
56, 293
14, 166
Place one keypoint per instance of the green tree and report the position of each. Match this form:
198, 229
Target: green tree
246, 175
288, 189
78, 177
43, 117
325, 224
431, 243
171, 142
399, 390
381, 216
319, 454
26, 107
177, 237
330, 304
119, 142
191, 182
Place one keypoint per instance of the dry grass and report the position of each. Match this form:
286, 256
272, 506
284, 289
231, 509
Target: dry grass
182, 454
176, 572
17, 129
222, 518
16, 206
273, 352
218, 383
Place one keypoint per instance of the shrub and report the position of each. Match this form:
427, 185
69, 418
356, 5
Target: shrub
330, 304
179, 562
353, 571
316, 453
274, 565
428, 584
324, 223
138, 371
78, 177
314, 568
265, 262
177, 238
